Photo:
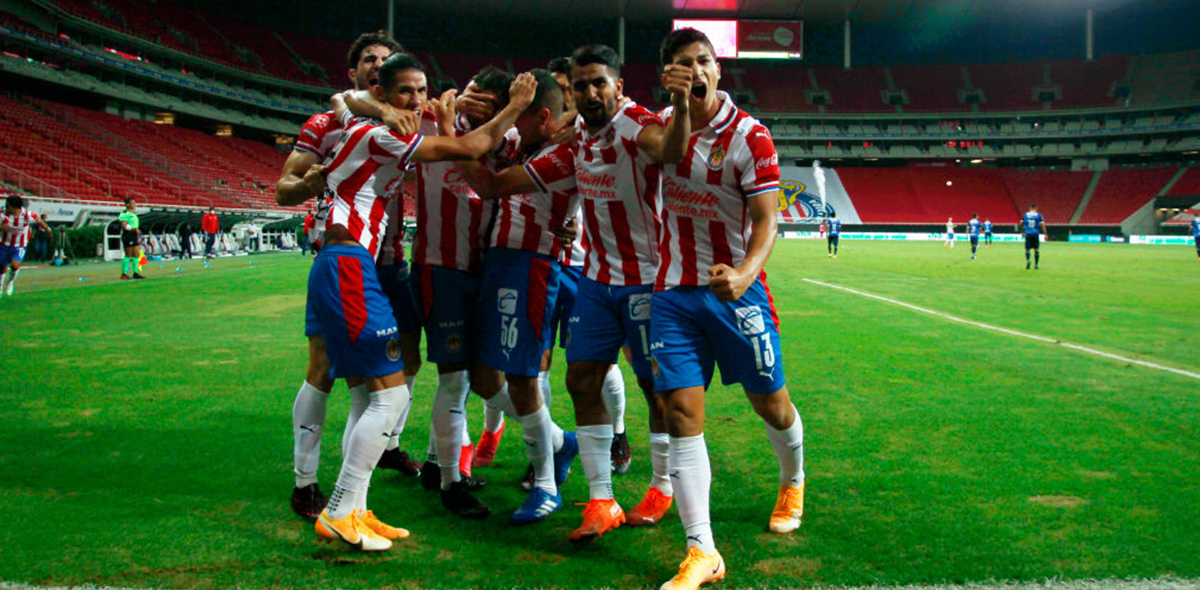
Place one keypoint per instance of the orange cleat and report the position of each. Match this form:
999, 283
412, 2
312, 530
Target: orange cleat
485, 451
352, 531
465, 458
599, 517
381, 528
789, 507
697, 568
651, 509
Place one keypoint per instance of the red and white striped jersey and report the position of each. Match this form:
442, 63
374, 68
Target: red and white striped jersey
525, 221
319, 135
452, 221
391, 248
366, 171
706, 197
16, 234
618, 184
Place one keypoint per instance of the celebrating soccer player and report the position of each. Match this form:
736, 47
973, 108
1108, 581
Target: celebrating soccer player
14, 234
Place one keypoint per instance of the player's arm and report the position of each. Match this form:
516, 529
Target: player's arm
667, 145
729, 283
363, 103
302, 179
475, 144
489, 184
44, 227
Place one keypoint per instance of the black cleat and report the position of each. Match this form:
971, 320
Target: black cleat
458, 499
398, 460
527, 481
138, 275
431, 478
308, 501
621, 459
1026, 265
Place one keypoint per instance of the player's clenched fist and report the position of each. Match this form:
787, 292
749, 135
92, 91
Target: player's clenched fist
522, 89
727, 283
678, 80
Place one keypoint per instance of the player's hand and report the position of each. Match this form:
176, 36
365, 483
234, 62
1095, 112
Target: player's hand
728, 283
314, 179
402, 121
678, 80
567, 233
477, 104
522, 90
443, 109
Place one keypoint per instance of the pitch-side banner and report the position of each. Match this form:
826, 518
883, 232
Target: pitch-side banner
799, 201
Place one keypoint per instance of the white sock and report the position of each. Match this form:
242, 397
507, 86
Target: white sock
360, 398
660, 448
365, 446
12, 280
449, 421
613, 392
595, 446
308, 420
3, 282
493, 414
544, 387
789, 449
394, 441
693, 474
535, 428
361, 505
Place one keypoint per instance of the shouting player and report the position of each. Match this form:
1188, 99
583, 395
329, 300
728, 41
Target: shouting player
14, 235
711, 301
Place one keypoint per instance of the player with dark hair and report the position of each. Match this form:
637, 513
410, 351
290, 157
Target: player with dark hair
949, 243
711, 303
973, 227
362, 53
131, 235
833, 227
1034, 226
14, 235
987, 232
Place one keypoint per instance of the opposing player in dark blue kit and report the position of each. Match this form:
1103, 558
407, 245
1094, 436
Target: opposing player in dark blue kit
1035, 226
831, 240
973, 233
987, 232
1196, 235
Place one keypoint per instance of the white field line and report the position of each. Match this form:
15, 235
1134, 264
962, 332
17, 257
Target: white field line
946, 316
1049, 584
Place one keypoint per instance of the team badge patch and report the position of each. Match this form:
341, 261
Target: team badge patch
393, 349
639, 307
454, 343
750, 321
506, 301
716, 158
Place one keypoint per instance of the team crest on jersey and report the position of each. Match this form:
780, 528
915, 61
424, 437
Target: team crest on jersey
750, 321
454, 343
393, 349
639, 307
715, 158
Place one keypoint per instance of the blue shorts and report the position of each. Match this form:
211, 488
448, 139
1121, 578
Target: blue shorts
344, 296
605, 317
9, 254
690, 329
568, 286
446, 302
397, 285
517, 298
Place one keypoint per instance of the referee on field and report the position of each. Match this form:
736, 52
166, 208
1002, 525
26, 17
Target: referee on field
130, 238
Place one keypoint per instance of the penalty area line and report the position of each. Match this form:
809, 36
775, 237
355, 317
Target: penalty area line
1010, 332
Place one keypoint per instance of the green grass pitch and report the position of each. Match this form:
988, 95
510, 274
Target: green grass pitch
146, 437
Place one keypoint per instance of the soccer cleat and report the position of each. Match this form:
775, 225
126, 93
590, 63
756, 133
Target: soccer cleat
1026, 265
835, 255
528, 479
124, 277
564, 456
381, 528
651, 509
697, 568
536, 507
398, 460
599, 517
458, 499
431, 478
352, 531
485, 451
138, 275
621, 459
789, 508
308, 501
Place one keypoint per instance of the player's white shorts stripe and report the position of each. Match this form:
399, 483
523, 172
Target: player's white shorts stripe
1010, 332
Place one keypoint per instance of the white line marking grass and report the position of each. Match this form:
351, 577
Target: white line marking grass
953, 318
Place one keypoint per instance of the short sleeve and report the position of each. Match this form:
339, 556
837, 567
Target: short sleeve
396, 145
554, 171
759, 163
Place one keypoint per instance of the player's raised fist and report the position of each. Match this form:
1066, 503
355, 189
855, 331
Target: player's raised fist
678, 80
726, 282
522, 90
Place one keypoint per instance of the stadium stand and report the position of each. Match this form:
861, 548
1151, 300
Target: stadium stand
929, 88
921, 194
1088, 84
1121, 192
1056, 193
1188, 184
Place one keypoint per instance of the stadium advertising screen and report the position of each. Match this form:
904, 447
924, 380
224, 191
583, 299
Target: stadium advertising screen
751, 39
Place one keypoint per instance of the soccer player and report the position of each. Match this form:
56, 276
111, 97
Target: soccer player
987, 232
949, 233
210, 225
1034, 226
1196, 234
345, 296
711, 301
130, 236
834, 227
973, 232
303, 179
14, 235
